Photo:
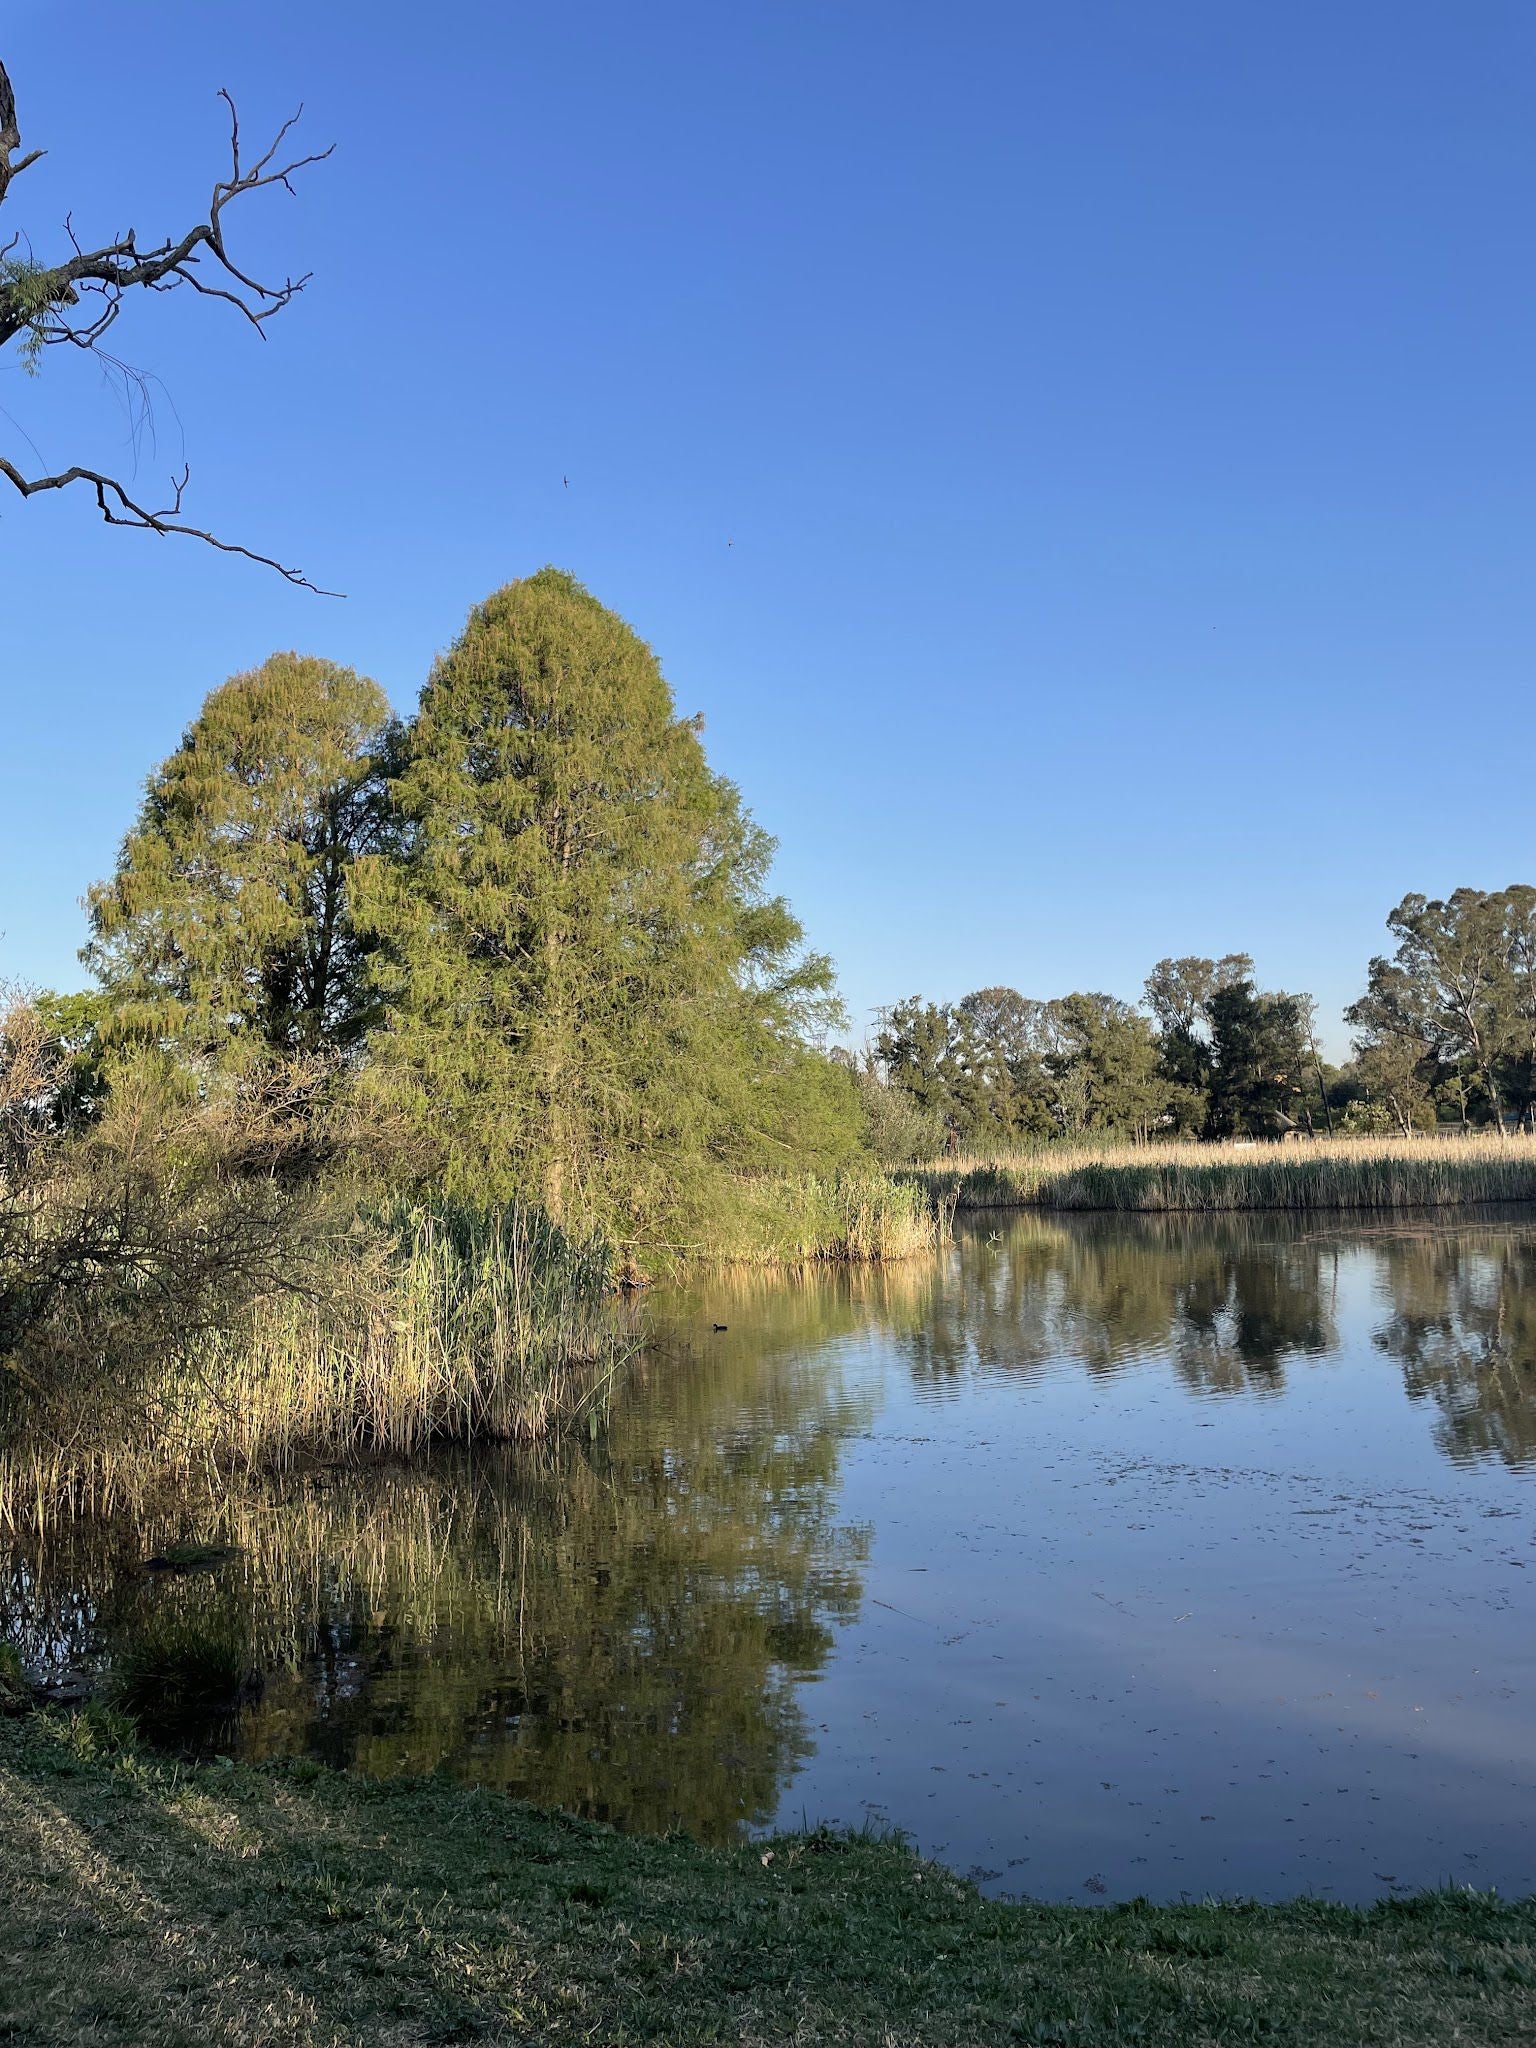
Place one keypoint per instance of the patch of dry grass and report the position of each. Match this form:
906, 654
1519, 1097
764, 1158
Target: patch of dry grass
1324, 1173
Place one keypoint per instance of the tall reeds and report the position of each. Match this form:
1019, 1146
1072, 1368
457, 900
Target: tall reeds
856, 1216
1338, 1173
429, 1322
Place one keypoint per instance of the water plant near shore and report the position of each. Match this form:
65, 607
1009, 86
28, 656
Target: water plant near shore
431, 1321
1341, 1173
857, 1216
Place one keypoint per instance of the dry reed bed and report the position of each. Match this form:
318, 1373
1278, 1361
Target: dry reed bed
1336, 1173
435, 1322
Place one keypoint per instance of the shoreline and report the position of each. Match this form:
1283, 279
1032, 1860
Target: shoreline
289, 1904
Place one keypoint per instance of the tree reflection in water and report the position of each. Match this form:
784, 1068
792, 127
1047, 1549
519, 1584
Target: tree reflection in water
1463, 1328
1228, 1299
617, 1629
624, 1628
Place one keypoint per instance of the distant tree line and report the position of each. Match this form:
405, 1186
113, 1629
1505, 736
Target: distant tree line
1208, 1055
1446, 1032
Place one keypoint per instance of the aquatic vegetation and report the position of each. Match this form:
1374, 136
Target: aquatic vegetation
15, 1693
176, 1670
431, 1321
858, 1215
1325, 1173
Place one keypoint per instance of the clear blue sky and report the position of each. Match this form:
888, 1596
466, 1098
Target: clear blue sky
1121, 418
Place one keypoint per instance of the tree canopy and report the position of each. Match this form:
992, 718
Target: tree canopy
591, 996
1453, 1009
228, 926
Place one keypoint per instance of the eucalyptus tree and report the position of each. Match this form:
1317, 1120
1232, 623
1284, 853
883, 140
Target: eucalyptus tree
1398, 1063
227, 929
1449, 986
592, 998
1518, 1022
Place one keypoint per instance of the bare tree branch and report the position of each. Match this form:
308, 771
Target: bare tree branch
118, 509
74, 302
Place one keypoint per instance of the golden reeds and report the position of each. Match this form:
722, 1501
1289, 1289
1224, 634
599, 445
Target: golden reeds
1324, 1173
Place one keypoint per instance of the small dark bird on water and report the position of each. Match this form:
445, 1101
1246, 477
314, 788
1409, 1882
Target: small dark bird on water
721, 1326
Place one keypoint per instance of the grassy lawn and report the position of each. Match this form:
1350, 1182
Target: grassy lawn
147, 1902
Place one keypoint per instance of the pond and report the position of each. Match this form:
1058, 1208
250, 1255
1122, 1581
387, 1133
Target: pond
1103, 1556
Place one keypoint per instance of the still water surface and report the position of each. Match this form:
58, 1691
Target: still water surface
1103, 1556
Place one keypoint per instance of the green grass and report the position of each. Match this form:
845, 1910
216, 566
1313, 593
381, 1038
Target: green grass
146, 1904
1342, 1173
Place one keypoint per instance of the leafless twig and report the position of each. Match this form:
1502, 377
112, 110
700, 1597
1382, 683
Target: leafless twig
74, 302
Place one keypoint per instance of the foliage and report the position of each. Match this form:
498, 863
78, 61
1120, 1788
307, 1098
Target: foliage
72, 1048
1455, 1005
1103, 1066
1179, 993
998, 1067
592, 998
174, 1205
27, 290
386, 1333
1259, 1058
896, 1129
227, 930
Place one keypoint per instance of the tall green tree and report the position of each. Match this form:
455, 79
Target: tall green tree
1450, 986
1009, 1036
1261, 1060
1179, 993
228, 927
1104, 1067
1518, 1020
1398, 1064
923, 1049
593, 999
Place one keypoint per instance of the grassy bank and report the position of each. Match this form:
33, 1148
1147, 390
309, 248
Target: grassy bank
1328, 1173
151, 1903
428, 1323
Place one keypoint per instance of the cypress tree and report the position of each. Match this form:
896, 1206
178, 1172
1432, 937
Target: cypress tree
227, 929
592, 999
